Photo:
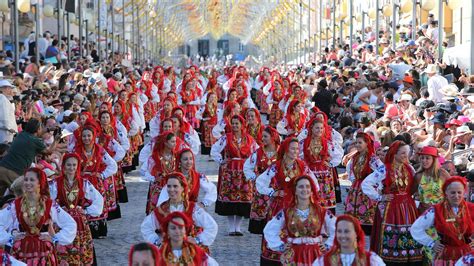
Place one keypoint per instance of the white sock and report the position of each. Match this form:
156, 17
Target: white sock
238, 222
231, 221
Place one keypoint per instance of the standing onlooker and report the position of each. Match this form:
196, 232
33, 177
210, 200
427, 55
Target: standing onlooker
21, 154
435, 83
8, 126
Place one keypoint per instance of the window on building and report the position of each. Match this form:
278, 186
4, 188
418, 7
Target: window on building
203, 48
241, 47
223, 46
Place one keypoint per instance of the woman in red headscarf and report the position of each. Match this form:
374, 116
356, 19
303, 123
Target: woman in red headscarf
151, 92
254, 124
177, 249
166, 111
186, 132
189, 99
362, 163
264, 80
349, 246
134, 110
29, 222
234, 191
322, 155
294, 120
160, 162
204, 227
453, 221
109, 139
96, 166
80, 199
208, 116
296, 229
276, 94
254, 166
197, 182
396, 210
223, 126
275, 183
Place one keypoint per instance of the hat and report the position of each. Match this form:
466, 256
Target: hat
408, 79
6, 83
67, 113
406, 97
464, 119
429, 150
50, 111
87, 73
454, 122
431, 69
449, 91
470, 98
79, 97
426, 104
56, 102
118, 75
439, 118
463, 130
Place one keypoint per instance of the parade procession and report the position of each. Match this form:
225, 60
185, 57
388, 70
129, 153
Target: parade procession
237, 132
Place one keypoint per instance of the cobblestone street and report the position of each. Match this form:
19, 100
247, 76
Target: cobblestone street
124, 232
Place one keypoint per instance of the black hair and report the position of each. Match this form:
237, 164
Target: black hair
32, 126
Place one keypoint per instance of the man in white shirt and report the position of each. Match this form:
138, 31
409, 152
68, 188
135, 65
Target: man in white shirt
435, 83
8, 126
43, 43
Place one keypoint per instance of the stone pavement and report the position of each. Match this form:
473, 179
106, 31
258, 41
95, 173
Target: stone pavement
124, 232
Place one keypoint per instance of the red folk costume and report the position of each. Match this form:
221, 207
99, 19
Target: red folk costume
72, 200
294, 122
161, 166
281, 181
391, 237
357, 203
107, 135
159, 81
317, 157
31, 249
261, 203
209, 120
264, 107
302, 254
362, 257
276, 114
149, 108
455, 230
163, 210
234, 191
188, 96
191, 254
135, 141
256, 129
91, 167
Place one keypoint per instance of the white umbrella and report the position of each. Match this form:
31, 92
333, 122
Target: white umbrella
459, 55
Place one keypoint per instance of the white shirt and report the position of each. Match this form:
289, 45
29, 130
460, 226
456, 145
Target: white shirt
435, 83
200, 218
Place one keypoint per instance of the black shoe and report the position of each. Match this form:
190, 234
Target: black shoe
238, 234
232, 233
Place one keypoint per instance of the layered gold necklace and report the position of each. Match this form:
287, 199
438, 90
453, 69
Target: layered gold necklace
32, 213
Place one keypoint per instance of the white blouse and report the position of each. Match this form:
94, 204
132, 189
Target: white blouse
423, 223
111, 166
9, 223
335, 150
348, 259
272, 230
218, 129
466, 260
122, 136
90, 193
374, 164
249, 167
206, 187
200, 218
263, 181
372, 185
219, 146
